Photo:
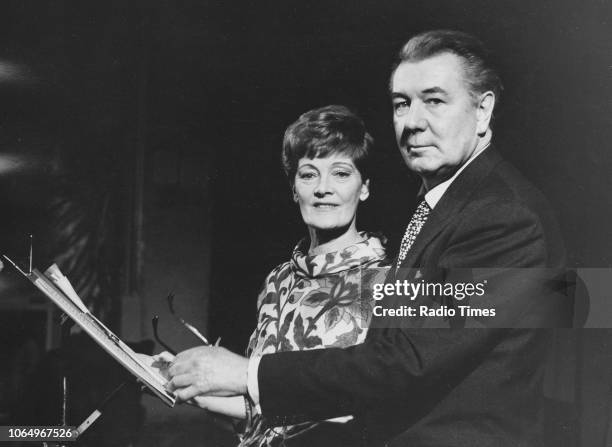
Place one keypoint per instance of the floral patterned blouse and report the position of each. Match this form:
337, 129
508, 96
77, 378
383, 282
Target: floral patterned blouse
314, 302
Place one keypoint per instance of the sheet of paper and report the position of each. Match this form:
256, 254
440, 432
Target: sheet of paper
103, 336
60, 280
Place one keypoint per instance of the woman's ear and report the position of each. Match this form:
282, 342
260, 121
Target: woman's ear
365, 190
294, 192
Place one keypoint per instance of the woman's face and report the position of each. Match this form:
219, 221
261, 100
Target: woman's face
328, 191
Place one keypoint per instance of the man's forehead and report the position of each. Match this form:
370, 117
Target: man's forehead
442, 71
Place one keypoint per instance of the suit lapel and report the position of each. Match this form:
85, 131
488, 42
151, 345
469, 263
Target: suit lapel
454, 199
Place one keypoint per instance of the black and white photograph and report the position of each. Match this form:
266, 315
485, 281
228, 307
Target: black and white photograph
283, 223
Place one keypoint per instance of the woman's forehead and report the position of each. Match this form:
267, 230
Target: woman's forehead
327, 161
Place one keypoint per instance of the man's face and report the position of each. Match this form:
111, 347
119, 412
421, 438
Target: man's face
436, 119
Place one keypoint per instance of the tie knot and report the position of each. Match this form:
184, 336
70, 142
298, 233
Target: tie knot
423, 209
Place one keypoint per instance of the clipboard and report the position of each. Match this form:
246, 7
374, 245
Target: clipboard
102, 335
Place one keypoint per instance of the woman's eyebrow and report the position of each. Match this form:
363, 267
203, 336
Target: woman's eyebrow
343, 163
307, 165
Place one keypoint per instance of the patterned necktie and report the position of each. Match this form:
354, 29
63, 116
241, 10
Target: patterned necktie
412, 230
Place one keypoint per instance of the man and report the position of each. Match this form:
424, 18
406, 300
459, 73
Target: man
415, 386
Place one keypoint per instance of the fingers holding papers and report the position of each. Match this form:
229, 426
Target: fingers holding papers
187, 394
164, 357
207, 370
159, 362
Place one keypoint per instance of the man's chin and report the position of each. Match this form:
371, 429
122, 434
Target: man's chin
434, 174
423, 166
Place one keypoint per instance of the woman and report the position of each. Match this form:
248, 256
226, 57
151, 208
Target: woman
317, 298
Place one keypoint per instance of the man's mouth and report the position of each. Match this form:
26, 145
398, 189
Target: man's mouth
417, 148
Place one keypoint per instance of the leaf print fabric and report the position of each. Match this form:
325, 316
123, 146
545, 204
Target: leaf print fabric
317, 301
313, 302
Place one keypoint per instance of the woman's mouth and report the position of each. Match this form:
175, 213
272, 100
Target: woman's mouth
325, 206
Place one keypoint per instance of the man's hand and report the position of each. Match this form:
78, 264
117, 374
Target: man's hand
207, 370
160, 362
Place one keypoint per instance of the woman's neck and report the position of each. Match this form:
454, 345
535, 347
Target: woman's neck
332, 240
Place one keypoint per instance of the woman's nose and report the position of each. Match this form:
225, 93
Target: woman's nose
323, 186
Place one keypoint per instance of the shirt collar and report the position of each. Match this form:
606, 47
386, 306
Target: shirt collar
433, 196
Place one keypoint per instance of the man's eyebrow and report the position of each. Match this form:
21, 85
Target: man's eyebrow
427, 91
435, 90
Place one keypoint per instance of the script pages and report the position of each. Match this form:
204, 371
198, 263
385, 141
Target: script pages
57, 287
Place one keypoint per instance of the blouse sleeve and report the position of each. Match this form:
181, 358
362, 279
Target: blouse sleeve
267, 311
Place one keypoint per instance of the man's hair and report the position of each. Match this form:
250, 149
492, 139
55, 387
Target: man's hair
480, 73
325, 131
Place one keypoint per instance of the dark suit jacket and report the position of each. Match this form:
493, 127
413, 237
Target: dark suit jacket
440, 387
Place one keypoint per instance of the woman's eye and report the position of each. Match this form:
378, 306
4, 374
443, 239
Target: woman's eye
306, 175
342, 174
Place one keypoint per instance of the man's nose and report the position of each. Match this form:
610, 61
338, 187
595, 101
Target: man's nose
414, 119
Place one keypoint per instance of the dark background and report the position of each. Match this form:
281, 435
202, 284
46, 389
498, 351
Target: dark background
141, 140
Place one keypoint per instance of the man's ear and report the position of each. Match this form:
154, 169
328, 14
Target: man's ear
484, 112
365, 190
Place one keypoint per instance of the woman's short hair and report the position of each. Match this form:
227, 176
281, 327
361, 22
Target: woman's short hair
321, 132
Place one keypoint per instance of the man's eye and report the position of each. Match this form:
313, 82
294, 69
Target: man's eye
400, 106
434, 101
